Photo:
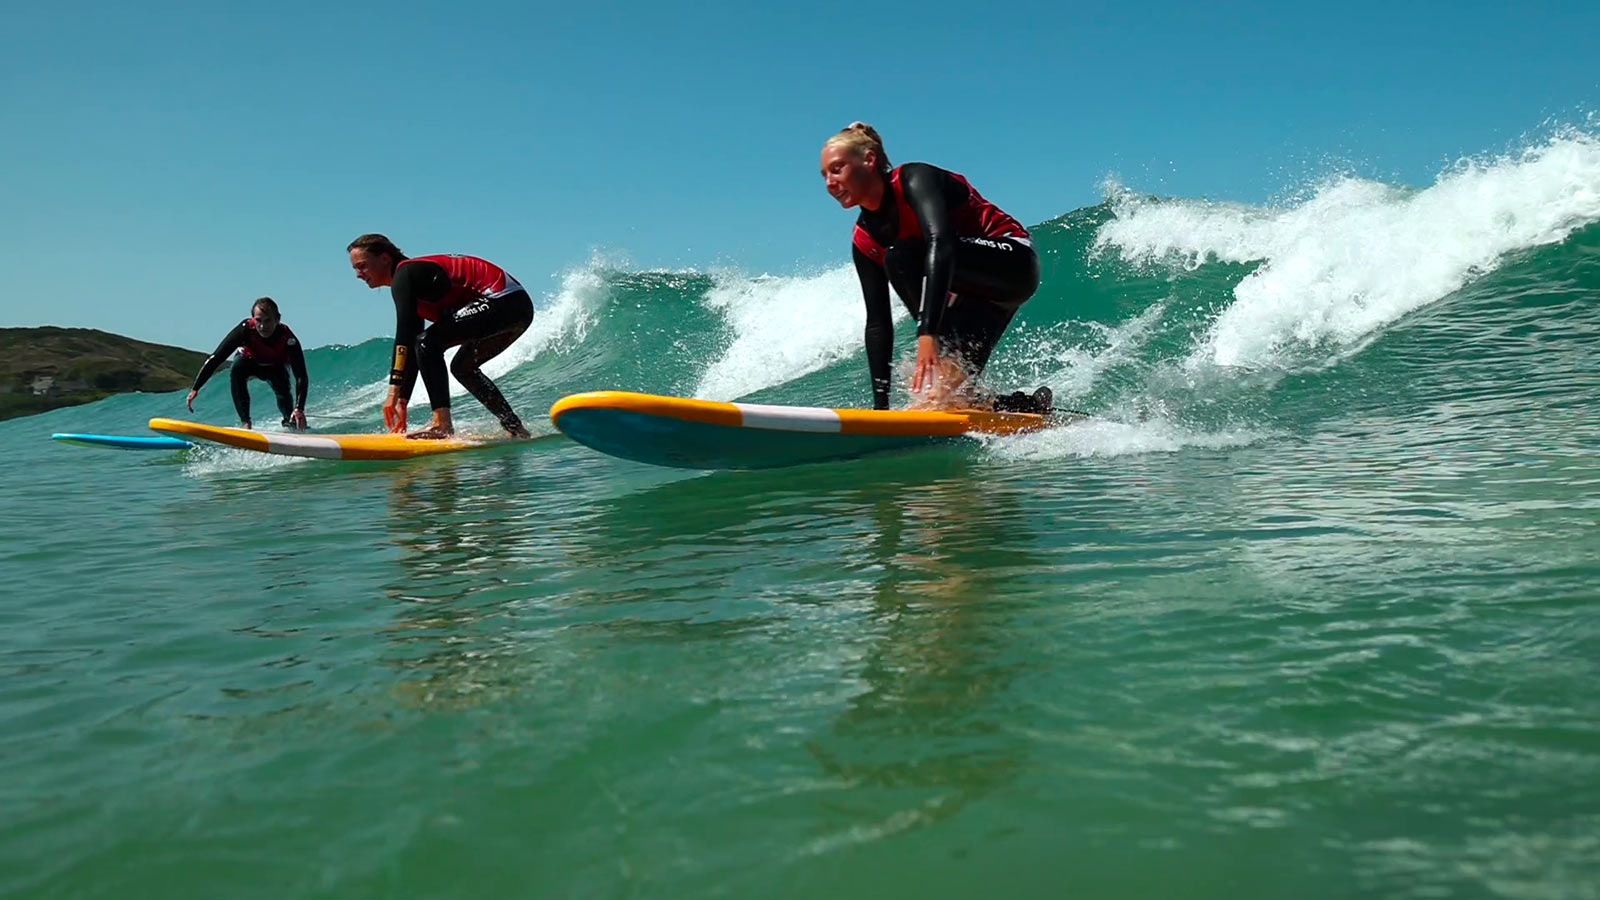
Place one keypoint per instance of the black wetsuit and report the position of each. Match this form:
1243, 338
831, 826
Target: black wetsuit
958, 243
269, 359
473, 304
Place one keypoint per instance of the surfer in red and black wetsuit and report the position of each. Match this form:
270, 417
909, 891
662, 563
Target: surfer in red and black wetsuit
267, 350
960, 264
471, 302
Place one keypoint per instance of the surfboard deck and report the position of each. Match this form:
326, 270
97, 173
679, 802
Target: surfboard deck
122, 441
703, 434
322, 446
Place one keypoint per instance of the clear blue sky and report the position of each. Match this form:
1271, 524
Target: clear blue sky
164, 163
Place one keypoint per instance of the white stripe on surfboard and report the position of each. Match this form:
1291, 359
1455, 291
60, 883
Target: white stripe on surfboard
788, 418
308, 445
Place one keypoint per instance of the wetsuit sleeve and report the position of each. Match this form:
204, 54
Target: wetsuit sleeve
880, 325
928, 191
232, 342
407, 325
297, 364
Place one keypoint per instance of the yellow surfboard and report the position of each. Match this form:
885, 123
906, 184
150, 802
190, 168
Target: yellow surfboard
703, 434
321, 446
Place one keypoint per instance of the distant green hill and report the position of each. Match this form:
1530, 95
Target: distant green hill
48, 367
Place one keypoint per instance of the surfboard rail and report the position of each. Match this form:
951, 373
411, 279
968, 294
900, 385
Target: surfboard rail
707, 434
320, 446
122, 441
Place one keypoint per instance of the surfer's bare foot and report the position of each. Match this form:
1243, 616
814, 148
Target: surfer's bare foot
439, 426
434, 433
939, 399
513, 425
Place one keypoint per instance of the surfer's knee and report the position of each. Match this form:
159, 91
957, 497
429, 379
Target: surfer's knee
465, 365
428, 346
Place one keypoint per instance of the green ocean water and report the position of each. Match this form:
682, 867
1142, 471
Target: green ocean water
1307, 611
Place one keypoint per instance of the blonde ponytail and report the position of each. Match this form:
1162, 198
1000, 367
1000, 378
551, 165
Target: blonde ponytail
861, 137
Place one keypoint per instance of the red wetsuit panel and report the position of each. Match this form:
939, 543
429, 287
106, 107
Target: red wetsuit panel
470, 278
271, 350
976, 217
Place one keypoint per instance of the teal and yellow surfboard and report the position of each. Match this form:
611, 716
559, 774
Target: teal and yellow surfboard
703, 434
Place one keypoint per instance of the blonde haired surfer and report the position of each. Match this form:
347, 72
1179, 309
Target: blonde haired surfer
960, 264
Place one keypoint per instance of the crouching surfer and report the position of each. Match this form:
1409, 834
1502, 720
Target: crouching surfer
960, 264
267, 350
467, 302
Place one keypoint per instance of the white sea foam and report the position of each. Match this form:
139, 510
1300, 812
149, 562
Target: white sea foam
783, 328
1071, 368
1107, 437
211, 460
1358, 254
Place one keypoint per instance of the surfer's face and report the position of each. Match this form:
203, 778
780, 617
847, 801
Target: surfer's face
266, 323
850, 179
376, 269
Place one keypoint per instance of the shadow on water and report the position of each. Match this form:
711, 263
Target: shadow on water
937, 675
879, 583
891, 561
694, 558
476, 553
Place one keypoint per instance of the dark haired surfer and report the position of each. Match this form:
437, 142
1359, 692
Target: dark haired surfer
472, 303
267, 350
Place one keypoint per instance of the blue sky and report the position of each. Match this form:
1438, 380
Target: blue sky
165, 163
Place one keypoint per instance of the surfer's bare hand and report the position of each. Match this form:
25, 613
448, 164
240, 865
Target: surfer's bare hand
189, 400
394, 412
927, 359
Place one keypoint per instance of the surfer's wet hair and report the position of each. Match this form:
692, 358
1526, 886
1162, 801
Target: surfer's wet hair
861, 137
376, 244
268, 304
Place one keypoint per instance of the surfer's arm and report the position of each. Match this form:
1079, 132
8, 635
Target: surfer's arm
407, 326
232, 342
880, 325
926, 190
297, 364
